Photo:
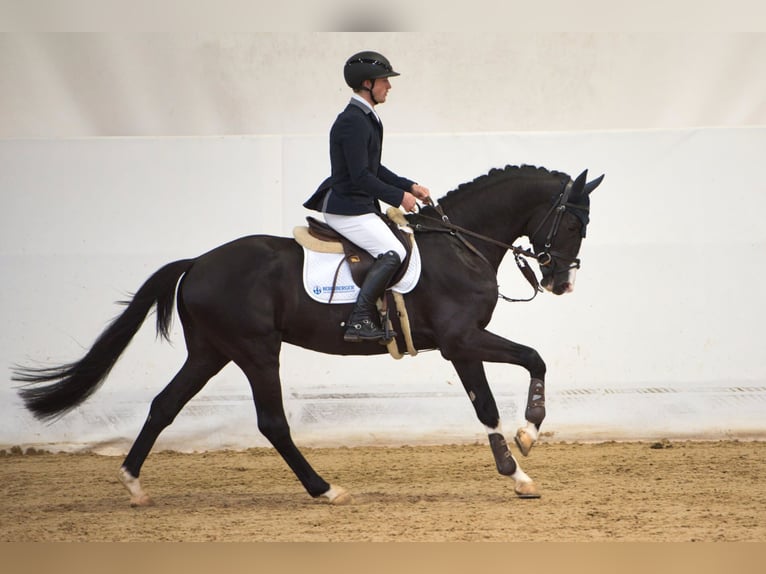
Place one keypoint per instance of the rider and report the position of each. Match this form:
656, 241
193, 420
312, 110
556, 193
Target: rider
349, 198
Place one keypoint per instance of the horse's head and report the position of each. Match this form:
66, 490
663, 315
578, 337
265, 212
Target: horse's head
559, 231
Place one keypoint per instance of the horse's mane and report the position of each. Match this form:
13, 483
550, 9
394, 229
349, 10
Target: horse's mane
496, 175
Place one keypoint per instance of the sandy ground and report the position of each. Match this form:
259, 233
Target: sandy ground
680, 491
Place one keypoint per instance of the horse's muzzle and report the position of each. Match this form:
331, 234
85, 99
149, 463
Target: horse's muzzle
560, 283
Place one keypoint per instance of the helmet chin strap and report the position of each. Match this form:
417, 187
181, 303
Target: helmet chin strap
372, 95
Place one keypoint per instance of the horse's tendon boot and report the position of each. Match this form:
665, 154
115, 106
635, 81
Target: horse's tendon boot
503, 458
535, 412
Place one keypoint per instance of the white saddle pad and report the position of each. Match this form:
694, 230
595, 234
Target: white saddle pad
319, 272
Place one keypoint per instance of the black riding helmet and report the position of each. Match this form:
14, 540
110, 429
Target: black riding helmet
367, 66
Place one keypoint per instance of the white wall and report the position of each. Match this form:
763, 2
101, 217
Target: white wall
660, 337
80, 85
121, 152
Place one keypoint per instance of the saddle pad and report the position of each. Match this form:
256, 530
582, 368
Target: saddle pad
319, 272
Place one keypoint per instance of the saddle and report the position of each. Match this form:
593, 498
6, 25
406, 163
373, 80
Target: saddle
327, 240
320, 238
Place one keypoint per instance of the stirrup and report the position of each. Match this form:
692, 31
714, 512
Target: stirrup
388, 332
365, 329
362, 330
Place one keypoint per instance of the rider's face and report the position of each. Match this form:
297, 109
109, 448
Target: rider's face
380, 89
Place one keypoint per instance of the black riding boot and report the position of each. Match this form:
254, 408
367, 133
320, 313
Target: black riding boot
364, 322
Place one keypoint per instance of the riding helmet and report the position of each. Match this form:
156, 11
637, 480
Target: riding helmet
366, 66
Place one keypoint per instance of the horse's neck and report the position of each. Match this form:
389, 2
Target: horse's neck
501, 211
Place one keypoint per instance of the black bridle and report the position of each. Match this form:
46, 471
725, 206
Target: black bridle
545, 258
547, 255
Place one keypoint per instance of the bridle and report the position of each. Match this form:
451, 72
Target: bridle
547, 257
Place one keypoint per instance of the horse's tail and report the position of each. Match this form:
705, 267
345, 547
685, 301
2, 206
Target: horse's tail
71, 384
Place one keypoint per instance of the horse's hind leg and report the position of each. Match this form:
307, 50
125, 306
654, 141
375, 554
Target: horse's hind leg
196, 371
261, 365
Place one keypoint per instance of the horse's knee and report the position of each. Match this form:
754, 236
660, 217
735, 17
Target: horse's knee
486, 408
534, 363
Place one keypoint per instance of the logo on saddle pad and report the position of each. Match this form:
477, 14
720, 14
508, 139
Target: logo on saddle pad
327, 277
323, 292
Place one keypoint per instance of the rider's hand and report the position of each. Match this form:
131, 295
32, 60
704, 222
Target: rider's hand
408, 202
420, 191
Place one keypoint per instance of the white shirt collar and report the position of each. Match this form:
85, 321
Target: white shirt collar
359, 98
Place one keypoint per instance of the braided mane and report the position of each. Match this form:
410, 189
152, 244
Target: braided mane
500, 174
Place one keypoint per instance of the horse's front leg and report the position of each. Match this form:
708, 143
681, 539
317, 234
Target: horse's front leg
535, 413
484, 346
475, 383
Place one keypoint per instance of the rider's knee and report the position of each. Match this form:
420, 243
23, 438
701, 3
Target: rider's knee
399, 252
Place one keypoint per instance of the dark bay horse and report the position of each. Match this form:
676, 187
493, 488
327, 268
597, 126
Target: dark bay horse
242, 300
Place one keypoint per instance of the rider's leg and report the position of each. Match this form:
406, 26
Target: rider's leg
370, 233
363, 323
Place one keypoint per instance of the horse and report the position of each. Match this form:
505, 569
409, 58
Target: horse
240, 301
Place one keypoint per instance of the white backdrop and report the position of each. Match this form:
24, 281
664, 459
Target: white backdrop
81, 85
660, 338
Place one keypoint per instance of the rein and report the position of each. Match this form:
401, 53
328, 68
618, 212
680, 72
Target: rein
544, 258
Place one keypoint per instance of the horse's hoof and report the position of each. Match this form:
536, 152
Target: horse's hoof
342, 499
143, 500
526, 490
524, 441
338, 496
137, 495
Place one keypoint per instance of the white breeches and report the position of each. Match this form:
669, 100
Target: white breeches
368, 231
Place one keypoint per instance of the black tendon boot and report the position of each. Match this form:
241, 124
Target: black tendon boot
364, 322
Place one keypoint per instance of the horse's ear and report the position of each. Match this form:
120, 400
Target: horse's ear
591, 185
579, 183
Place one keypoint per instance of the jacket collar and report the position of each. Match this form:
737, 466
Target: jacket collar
361, 103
